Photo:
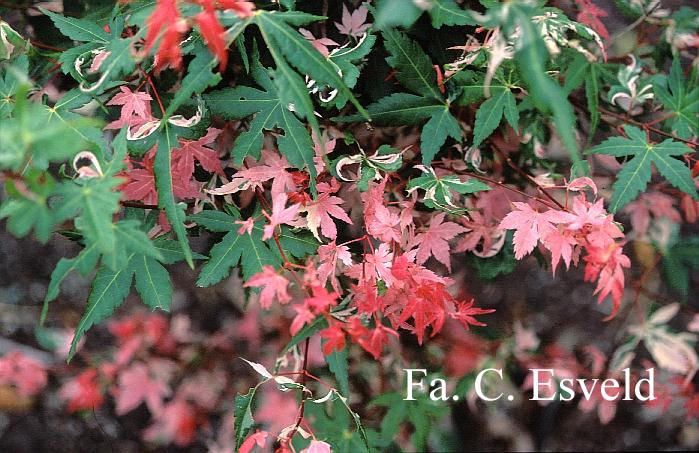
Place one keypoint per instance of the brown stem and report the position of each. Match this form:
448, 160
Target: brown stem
526, 176
302, 406
131, 204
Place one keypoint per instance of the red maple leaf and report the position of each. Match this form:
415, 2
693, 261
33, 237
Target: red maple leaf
176, 423
465, 312
258, 439
589, 15
191, 150
166, 20
212, 32
334, 338
273, 286
82, 392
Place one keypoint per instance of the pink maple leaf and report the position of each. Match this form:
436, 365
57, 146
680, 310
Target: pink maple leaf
272, 284
655, 204
321, 44
272, 166
319, 212
258, 439
317, 446
26, 374
204, 388
136, 385
132, 104
328, 256
280, 214
433, 242
191, 150
383, 224
375, 266
606, 265
560, 244
529, 226
353, 24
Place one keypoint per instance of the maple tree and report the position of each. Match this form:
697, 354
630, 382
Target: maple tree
347, 170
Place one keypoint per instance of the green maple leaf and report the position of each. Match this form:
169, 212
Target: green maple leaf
95, 202
398, 109
435, 132
675, 95
636, 173
143, 264
78, 29
413, 65
271, 111
248, 250
491, 112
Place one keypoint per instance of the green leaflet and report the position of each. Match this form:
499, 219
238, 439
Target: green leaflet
333, 423
199, 77
243, 416
349, 60
299, 245
592, 90
338, 364
95, 203
78, 29
490, 113
395, 13
439, 189
284, 40
670, 90
446, 12
398, 109
83, 263
415, 71
109, 289
636, 173
435, 132
152, 282
111, 285
248, 250
678, 262
166, 198
25, 214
